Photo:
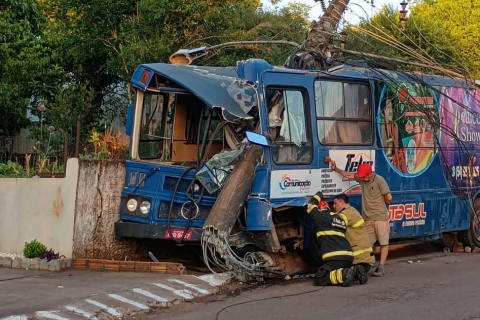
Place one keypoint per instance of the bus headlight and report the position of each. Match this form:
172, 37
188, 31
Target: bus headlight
145, 207
132, 205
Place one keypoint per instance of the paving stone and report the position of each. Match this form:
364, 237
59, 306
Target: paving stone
54, 265
17, 263
25, 264
35, 264
6, 262
43, 265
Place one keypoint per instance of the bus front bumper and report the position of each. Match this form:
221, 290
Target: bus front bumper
126, 229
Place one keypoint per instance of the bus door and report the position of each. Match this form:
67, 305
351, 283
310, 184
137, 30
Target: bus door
289, 105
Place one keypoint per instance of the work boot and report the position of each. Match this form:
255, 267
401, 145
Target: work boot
347, 275
360, 274
321, 277
379, 272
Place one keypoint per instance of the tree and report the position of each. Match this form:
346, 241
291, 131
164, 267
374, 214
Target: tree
460, 20
433, 34
26, 73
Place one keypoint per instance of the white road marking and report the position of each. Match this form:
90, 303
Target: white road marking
217, 279
20, 317
49, 315
111, 311
181, 293
125, 300
81, 312
188, 285
150, 295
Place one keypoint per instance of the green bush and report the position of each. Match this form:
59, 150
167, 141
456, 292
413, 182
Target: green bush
12, 170
33, 249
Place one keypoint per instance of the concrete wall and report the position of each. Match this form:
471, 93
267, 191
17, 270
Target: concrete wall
41, 209
100, 186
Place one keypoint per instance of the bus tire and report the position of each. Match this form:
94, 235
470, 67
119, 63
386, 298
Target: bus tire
471, 237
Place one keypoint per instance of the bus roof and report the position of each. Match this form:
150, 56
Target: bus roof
396, 76
217, 87
231, 89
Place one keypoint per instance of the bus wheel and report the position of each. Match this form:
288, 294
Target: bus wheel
471, 237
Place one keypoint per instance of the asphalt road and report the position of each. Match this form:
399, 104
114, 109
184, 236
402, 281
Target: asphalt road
439, 287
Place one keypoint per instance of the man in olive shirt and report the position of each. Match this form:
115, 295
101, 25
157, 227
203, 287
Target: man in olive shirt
375, 198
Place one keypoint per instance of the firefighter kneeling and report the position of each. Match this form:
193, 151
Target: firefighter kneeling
330, 244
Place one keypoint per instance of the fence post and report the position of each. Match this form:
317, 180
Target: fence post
65, 153
77, 140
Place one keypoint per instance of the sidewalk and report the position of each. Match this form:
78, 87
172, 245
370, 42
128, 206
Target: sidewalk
29, 294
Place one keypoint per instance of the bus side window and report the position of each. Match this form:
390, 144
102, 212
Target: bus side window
288, 126
343, 112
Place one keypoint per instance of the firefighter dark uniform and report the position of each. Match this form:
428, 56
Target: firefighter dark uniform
357, 235
335, 250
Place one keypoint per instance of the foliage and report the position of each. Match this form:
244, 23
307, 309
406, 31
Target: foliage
33, 249
444, 32
459, 19
12, 170
50, 255
27, 72
108, 145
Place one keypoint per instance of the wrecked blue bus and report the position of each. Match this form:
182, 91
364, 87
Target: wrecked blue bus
189, 127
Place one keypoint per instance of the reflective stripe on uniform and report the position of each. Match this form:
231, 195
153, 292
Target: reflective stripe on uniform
330, 233
339, 275
311, 207
359, 223
337, 253
344, 217
362, 251
333, 278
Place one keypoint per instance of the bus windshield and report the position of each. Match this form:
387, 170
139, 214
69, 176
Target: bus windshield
156, 127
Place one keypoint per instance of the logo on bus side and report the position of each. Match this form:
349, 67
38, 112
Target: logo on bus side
413, 215
294, 183
354, 161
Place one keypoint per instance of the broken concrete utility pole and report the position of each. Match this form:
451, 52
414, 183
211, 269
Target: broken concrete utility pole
314, 53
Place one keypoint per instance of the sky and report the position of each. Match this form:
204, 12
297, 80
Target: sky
354, 5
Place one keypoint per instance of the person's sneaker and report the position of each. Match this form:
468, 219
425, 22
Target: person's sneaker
379, 272
360, 274
347, 275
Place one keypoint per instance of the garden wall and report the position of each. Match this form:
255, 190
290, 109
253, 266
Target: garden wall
100, 186
38, 208
74, 215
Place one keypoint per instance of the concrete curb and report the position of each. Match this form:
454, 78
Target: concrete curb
36, 264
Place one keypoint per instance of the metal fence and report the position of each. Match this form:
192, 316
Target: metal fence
28, 156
